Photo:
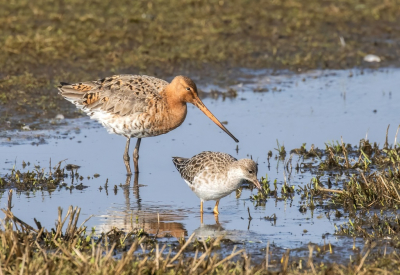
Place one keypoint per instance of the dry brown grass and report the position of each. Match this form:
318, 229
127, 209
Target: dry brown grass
26, 250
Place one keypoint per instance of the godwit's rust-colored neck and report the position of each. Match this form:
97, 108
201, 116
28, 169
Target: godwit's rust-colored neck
177, 108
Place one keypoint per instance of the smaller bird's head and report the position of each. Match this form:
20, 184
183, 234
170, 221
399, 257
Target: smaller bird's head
186, 91
249, 171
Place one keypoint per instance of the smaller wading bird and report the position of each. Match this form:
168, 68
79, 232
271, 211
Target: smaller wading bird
214, 175
137, 106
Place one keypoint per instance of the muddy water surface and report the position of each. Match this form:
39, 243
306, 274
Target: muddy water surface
313, 108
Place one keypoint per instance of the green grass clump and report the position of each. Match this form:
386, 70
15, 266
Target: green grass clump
40, 179
361, 181
372, 175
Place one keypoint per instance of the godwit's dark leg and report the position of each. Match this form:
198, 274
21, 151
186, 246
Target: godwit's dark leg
126, 157
136, 191
136, 155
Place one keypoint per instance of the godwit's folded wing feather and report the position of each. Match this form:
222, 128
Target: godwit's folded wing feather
119, 94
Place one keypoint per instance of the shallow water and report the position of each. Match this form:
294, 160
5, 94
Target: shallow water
313, 108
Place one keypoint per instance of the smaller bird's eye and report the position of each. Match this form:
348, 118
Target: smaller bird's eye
187, 89
251, 172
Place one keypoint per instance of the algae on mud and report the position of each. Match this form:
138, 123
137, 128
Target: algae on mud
44, 42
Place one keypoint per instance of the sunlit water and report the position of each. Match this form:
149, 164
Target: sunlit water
315, 108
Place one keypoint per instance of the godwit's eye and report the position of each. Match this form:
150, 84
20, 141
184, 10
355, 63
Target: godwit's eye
251, 172
188, 89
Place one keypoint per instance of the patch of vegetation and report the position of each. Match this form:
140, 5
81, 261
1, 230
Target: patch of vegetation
372, 225
362, 181
372, 178
286, 192
39, 179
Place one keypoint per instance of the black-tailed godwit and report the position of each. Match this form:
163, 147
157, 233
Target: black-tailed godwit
137, 106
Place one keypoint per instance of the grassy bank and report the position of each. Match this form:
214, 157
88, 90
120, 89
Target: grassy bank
44, 42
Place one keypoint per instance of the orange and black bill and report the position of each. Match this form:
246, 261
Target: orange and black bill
199, 104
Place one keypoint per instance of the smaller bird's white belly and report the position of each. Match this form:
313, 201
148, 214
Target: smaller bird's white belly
128, 126
213, 187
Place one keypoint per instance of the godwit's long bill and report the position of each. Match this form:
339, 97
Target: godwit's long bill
137, 106
214, 175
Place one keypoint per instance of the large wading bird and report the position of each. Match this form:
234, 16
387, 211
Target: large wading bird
137, 106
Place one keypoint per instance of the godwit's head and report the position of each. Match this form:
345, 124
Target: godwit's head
247, 170
185, 89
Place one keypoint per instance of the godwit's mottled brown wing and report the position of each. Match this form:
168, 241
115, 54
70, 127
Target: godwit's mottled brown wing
118, 94
214, 162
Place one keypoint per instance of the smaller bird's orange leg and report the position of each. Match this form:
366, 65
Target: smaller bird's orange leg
201, 217
201, 207
136, 155
216, 219
126, 157
216, 208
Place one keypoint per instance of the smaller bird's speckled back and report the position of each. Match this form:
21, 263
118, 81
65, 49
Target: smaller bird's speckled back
214, 162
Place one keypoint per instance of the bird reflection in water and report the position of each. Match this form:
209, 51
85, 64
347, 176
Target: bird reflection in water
210, 230
157, 221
